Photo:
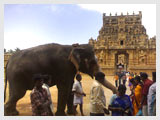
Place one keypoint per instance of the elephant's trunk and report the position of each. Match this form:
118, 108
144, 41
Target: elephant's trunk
108, 85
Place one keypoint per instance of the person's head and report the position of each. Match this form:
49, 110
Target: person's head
132, 80
140, 73
121, 90
38, 79
143, 76
154, 76
78, 77
100, 76
47, 79
137, 80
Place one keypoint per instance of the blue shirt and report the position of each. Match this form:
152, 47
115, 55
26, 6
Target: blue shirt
123, 102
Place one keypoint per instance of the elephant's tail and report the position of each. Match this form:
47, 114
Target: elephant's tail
5, 82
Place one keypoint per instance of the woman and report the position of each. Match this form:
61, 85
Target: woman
137, 94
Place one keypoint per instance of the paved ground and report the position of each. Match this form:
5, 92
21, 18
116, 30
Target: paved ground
24, 106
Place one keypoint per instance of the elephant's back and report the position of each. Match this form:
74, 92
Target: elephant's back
45, 59
37, 53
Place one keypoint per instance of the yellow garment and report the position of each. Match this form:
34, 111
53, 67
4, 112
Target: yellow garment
138, 96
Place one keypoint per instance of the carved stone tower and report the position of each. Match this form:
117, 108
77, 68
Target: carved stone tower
122, 40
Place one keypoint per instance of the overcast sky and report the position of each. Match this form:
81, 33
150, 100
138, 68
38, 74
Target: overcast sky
31, 25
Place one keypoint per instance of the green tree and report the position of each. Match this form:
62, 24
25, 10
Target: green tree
10, 51
17, 49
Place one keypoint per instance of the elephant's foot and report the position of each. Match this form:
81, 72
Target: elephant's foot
60, 113
10, 111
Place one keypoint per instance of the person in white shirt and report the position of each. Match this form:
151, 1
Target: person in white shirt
152, 97
46, 84
78, 94
97, 97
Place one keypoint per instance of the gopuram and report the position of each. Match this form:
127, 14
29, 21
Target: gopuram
123, 45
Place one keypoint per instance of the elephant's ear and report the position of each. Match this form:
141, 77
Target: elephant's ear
74, 56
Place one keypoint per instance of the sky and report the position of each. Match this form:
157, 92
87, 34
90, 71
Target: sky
29, 25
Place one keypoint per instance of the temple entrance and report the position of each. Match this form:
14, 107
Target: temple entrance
121, 61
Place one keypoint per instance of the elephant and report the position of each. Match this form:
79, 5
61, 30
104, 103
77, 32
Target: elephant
62, 62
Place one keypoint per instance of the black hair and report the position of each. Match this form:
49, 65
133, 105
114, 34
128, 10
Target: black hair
46, 78
122, 88
99, 75
36, 77
138, 79
144, 75
78, 76
132, 80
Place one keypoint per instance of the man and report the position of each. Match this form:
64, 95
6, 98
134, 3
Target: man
78, 94
124, 79
152, 97
146, 84
120, 104
120, 74
46, 84
40, 100
97, 97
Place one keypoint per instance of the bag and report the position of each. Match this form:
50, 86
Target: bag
139, 113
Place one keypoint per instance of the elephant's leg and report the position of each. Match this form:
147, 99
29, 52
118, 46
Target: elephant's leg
63, 93
70, 102
10, 106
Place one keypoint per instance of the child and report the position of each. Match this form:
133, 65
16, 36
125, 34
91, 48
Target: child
121, 104
78, 94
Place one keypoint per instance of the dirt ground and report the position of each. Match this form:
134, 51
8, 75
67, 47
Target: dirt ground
24, 106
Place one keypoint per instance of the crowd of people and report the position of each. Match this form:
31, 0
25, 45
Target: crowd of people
143, 92
141, 101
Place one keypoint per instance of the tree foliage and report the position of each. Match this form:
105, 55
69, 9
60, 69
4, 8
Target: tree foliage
11, 51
